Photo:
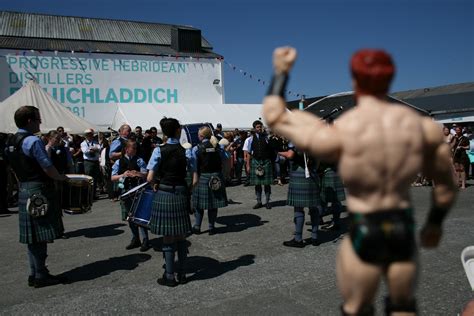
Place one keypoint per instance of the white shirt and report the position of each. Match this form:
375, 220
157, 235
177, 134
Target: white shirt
86, 150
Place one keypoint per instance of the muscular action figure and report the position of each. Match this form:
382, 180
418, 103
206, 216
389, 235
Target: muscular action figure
377, 168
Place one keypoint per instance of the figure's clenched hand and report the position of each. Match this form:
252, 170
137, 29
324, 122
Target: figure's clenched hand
283, 59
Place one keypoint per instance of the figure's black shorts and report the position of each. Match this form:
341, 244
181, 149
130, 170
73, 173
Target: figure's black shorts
384, 237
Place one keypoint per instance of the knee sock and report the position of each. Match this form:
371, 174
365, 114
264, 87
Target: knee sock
198, 215
258, 193
336, 212
212, 215
168, 254
268, 192
314, 215
299, 222
134, 229
144, 233
182, 254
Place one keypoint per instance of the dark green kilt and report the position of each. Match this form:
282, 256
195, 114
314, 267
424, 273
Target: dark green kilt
125, 206
170, 213
302, 191
267, 177
204, 198
39, 229
331, 187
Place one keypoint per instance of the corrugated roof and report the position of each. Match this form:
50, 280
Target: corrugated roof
22, 43
435, 91
18, 24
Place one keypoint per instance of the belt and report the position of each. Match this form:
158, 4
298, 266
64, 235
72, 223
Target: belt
91, 160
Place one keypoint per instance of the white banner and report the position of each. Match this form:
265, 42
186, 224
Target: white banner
91, 85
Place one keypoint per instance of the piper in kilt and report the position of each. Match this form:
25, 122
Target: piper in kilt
332, 190
171, 205
27, 155
130, 171
259, 163
208, 157
303, 191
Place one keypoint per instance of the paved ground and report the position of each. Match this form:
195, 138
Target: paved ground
242, 270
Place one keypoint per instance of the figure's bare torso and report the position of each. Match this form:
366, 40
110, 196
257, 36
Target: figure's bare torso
382, 152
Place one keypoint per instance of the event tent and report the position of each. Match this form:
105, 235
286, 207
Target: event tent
53, 114
231, 116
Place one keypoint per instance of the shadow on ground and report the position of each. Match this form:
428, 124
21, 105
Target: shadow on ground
157, 243
238, 223
98, 232
203, 268
101, 268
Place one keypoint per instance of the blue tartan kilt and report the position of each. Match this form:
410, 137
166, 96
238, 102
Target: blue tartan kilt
332, 188
204, 198
267, 178
302, 191
170, 212
44, 228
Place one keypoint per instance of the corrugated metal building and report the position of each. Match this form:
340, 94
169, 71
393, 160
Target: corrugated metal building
26, 31
454, 102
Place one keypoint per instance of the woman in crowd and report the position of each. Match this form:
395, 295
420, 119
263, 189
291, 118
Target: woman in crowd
460, 158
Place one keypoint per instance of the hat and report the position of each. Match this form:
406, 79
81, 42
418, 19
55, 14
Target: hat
219, 125
89, 131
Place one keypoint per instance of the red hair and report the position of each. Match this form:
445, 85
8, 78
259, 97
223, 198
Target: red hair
373, 71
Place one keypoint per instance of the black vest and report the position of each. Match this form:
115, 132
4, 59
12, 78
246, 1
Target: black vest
26, 168
261, 150
172, 168
59, 158
129, 164
209, 159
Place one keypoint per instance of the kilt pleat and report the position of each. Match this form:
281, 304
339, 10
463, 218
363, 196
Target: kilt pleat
170, 213
44, 228
332, 187
267, 177
302, 191
125, 206
204, 198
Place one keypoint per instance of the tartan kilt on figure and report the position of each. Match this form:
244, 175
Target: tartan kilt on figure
204, 198
44, 228
302, 191
331, 187
170, 211
267, 178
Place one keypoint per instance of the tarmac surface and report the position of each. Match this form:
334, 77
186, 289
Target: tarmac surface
243, 269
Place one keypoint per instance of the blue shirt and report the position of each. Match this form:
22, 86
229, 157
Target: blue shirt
34, 148
140, 163
224, 155
155, 158
116, 146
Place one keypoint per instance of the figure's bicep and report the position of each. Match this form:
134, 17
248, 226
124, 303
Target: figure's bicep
309, 133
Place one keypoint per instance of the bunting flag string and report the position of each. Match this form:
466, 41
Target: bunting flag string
258, 79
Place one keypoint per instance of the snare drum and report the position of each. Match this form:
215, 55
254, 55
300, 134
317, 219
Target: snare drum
77, 193
141, 209
128, 199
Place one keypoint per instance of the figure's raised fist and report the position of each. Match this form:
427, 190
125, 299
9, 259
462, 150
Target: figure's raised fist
283, 59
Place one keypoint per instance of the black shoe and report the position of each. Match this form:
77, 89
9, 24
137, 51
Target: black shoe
145, 245
212, 231
167, 282
308, 223
64, 236
313, 242
331, 226
196, 230
294, 243
135, 243
49, 280
268, 206
31, 281
182, 279
258, 205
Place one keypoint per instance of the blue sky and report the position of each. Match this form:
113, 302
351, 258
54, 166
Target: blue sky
432, 42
